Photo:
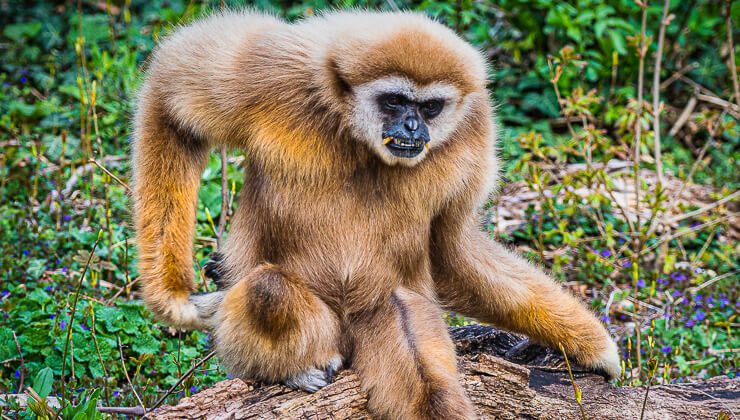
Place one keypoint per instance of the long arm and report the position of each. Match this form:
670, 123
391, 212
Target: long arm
167, 164
481, 279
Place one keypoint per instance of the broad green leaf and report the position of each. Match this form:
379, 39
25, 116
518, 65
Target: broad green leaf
42, 383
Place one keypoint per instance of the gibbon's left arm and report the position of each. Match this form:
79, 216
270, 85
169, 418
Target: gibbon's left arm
479, 278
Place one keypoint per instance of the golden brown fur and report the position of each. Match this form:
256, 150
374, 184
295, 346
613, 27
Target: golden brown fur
336, 249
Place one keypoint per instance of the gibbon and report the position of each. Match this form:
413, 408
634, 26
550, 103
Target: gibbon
370, 146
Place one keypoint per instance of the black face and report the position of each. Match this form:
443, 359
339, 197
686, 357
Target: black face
405, 132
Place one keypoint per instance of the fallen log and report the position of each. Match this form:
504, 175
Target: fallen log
505, 376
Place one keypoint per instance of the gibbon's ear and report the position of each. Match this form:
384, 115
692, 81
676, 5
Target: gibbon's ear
337, 81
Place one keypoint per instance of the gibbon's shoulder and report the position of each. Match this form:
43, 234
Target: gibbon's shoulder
361, 45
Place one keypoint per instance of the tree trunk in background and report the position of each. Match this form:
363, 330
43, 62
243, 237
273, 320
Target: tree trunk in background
505, 377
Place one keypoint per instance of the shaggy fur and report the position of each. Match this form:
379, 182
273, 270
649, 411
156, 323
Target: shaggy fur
338, 250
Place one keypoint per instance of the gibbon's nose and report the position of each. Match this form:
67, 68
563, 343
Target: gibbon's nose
411, 124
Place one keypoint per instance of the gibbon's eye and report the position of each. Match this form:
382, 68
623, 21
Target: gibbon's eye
391, 101
432, 108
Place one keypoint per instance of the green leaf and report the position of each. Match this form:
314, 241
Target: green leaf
42, 383
17, 31
146, 344
617, 41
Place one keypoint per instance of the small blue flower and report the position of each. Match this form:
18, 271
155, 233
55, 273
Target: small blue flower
116, 394
17, 373
25, 252
84, 327
678, 276
666, 349
606, 253
700, 315
63, 325
640, 283
723, 302
662, 280
627, 264
709, 299
605, 318
64, 269
229, 376
5, 293
676, 293
193, 389
51, 317
698, 298
24, 79
67, 218
690, 323
47, 288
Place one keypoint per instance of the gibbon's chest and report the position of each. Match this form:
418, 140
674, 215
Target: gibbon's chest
352, 226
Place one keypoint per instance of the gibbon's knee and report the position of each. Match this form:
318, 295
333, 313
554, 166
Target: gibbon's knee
276, 299
406, 361
274, 328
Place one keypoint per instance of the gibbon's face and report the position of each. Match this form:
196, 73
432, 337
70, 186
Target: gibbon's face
402, 121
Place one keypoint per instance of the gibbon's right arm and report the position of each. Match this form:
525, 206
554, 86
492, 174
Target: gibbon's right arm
167, 165
183, 111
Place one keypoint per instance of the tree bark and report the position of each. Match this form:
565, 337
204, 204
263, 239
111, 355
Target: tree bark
505, 376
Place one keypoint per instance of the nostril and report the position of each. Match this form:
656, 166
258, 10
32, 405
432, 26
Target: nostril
412, 124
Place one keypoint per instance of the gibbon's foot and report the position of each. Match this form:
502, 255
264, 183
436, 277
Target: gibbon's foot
313, 379
204, 308
214, 270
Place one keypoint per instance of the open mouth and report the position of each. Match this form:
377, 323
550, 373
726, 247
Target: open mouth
401, 147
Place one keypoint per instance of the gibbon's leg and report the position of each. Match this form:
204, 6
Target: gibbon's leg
406, 361
167, 165
481, 279
274, 328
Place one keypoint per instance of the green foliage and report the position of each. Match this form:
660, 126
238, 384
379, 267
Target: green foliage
52, 58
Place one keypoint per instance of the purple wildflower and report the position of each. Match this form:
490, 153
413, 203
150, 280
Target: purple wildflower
698, 298
606, 253
116, 394
24, 79
63, 325
193, 389
690, 323
723, 302
627, 264
17, 373
67, 218
666, 349
678, 276
640, 283
700, 315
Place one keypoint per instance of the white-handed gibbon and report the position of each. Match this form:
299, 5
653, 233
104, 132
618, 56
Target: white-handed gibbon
370, 147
